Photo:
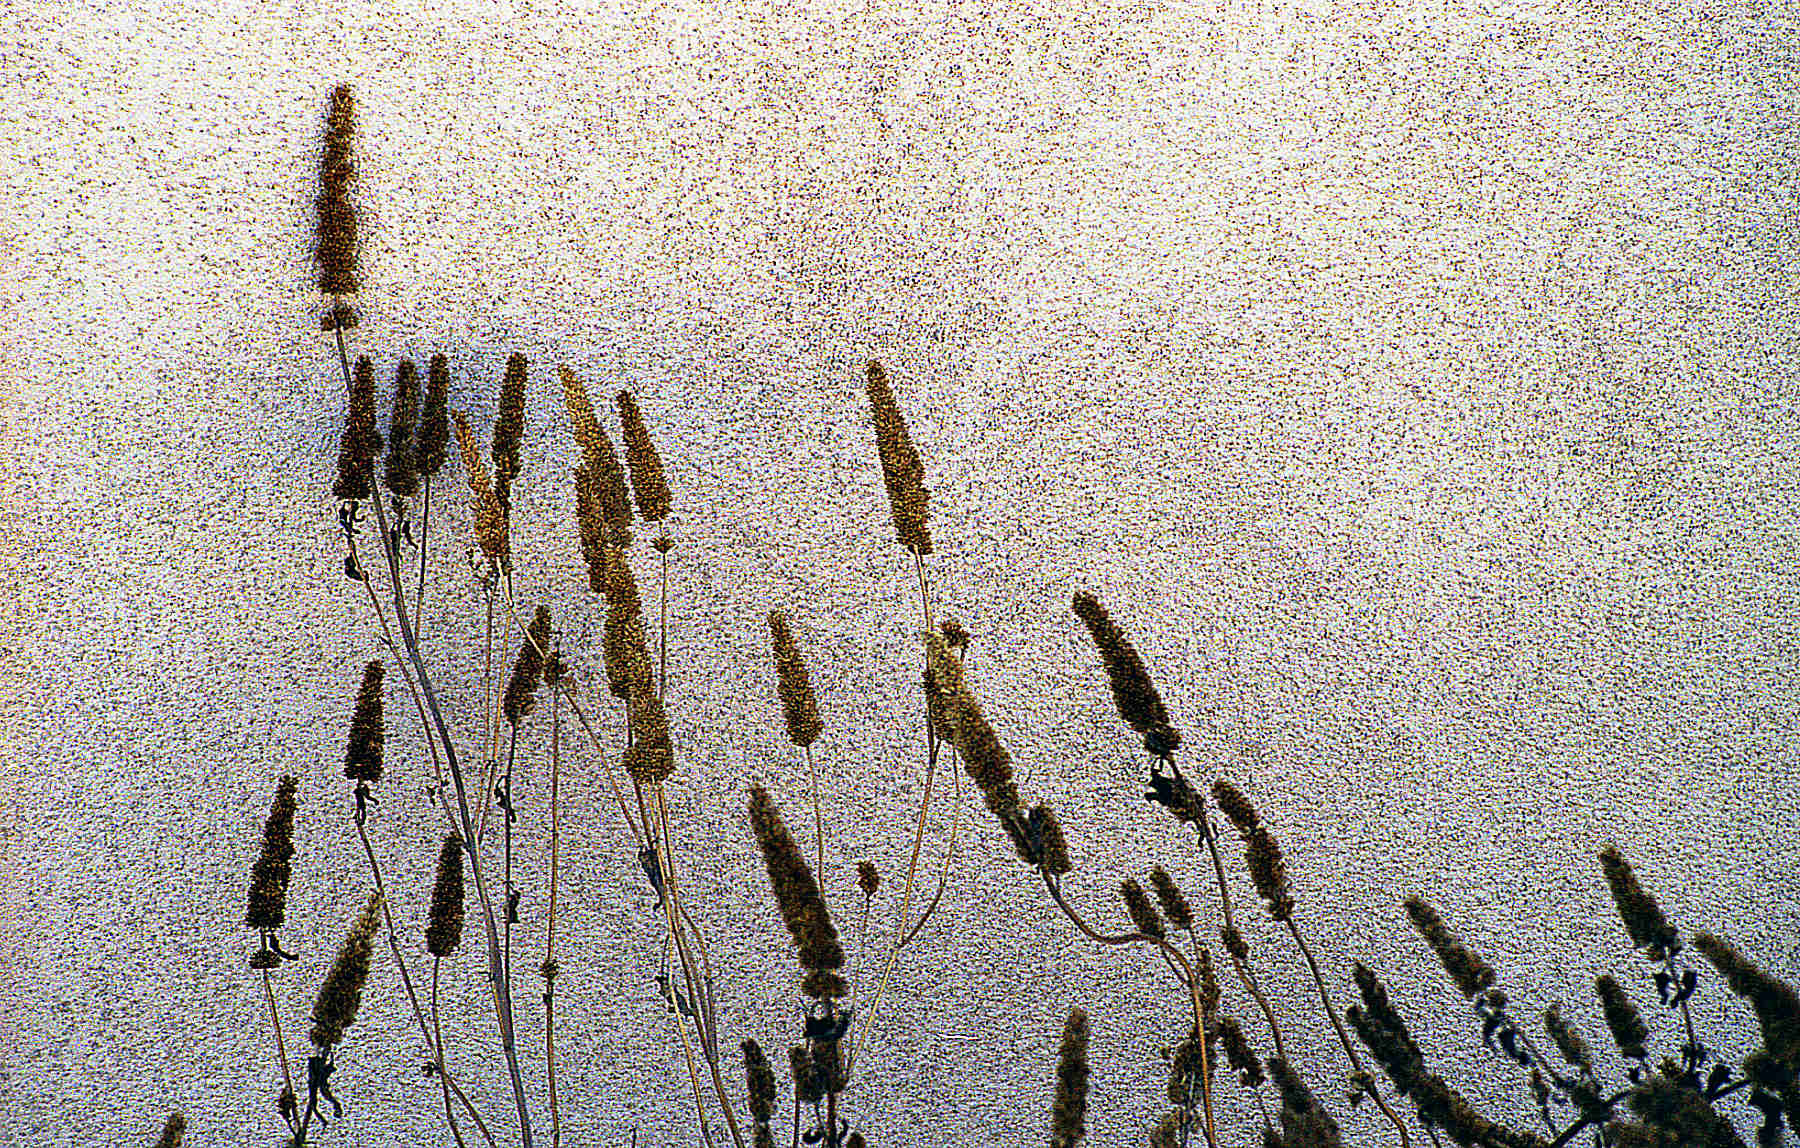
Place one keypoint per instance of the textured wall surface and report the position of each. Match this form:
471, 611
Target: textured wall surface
1417, 383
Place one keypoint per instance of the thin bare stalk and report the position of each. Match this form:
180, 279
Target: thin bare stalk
812, 776
949, 856
424, 538
550, 969
437, 1051
1245, 976
1190, 980
662, 685
287, 1073
1371, 1089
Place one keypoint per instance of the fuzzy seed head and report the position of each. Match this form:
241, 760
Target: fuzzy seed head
1235, 806
490, 518
1133, 692
759, 1081
1776, 1004
1622, 1017
361, 441
1644, 920
900, 467
1472, 974
1239, 1054
1047, 838
444, 932
794, 684
1068, 1112
341, 994
1268, 872
960, 721
401, 474
601, 460
646, 467
433, 439
528, 669
1143, 914
174, 1131
1570, 1043
362, 759
1234, 942
868, 878
509, 429
335, 247
796, 891
1174, 903
274, 865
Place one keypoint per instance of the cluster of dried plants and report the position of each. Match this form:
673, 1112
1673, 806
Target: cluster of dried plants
1225, 1039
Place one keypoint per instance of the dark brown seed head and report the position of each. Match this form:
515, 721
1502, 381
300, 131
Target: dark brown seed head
274, 865
1776, 1003
900, 467
956, 635
1268, 872
509, 429
1048, 835
401, 475
555, 669
1143, 913
444, 932
490, 519
1068, 1112
1622, 1017
591, 526
1304, 1121
1209, 986
1239, 1054
961, 722
1235, 806
362, 760
335, 246
626, 653
1569, 1042
361, 441
647, 479
650, 758
174, 1131
528, 669
794, 684
808, 1084
1472, 974
1234, 942
796, 891
868, 879
759, 1082
1174, 903
1644, 920
341, 994
434, 421
601, 460
855, 1140
1135, 695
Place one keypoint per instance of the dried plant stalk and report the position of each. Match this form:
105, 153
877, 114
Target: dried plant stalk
900, 466
647, 479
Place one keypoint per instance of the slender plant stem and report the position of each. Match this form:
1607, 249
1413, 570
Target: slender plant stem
437, 1050
512, 751
812, 776
1186, 974
424, 538
663, 630
1373, 1090
287, 1073
503, 999
1245, 976
550, 969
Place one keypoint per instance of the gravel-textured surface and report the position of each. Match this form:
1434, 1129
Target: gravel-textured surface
1417, 385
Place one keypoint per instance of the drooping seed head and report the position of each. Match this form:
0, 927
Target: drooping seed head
1234, 942
647, 479
1776, 1004
1570, 1043
1047, 836
433, 440
335, 241
362, 758
1472, 974
1644, 920
401, 475
900, 467
490, 519
798, 702
270, 874
759, 1082
1068, 1112
1239, 1054
341, 993
1268, 872
960, 721
361, 441
1139, 704
444, 932
1235, 806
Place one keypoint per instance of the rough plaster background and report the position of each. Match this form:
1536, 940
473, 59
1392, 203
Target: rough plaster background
1417, 382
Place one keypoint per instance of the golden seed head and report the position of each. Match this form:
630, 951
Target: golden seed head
601, 460
444, 932
1133, 693
509, 429
362, 760
650, 758
341, 994
490, 519
794, 684
433, 438
1068, 1112
900, 467
335, 246
647, 479
361, 441
270, 874
960, 721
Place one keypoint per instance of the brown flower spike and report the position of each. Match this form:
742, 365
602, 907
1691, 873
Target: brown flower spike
274, 866
959, 721
336, 237
599, 457
1068, 1112
900, 467
362, 759
509, 429
361, 441
647, 479
444, 932
1135, 695
797, 895
433, 438
794, 684
528, 669
1644, 920
490, 519
341, 994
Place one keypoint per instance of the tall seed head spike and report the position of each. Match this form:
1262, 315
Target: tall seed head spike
1776, 1003
1143, 914
401, 474
444, 932
341, 994
796, 892
1239, 1054
1174, 903
1622, 1017
900, 467
601, 460
1068, 1112
361, 441
1049, 836
1268, 872
1471, 974
1139, 704
335, 247
1235, 806
433, 440
592, 527
961, 722
490, 519
362, 759
1569, 1042
528, 669
274, 865
647, 479
509, 429
808, 1087
1644, 920
759, 1082
794, 684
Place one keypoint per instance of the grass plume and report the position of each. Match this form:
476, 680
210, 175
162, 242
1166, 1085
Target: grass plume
1068, 1112
361, 442
270, 874
900, 466
362, 757
647, 480
341, 993
335, 248
1140, 705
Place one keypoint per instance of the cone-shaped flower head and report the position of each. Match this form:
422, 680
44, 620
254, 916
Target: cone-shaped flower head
1239, 1054
341, 994
1262, 853
174, 1131
362, 759
959, 721
759, 1082
490, 519
361, 441
798, 702
598, 455
1776, 1003
1623, 1019
1472, 974
432, 441
274, 865
1139, 704
335, 240
1644, 920
900, 467
797, 895
1174, 903
868, 878
528, 669
1068, 1112
1143, 914
647, 479
444, 932
401, 474
509, 429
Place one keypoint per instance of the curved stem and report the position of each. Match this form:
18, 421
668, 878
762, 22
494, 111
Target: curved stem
1372, 1089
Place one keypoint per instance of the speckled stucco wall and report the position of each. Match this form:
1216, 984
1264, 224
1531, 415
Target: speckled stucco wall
1416, 382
